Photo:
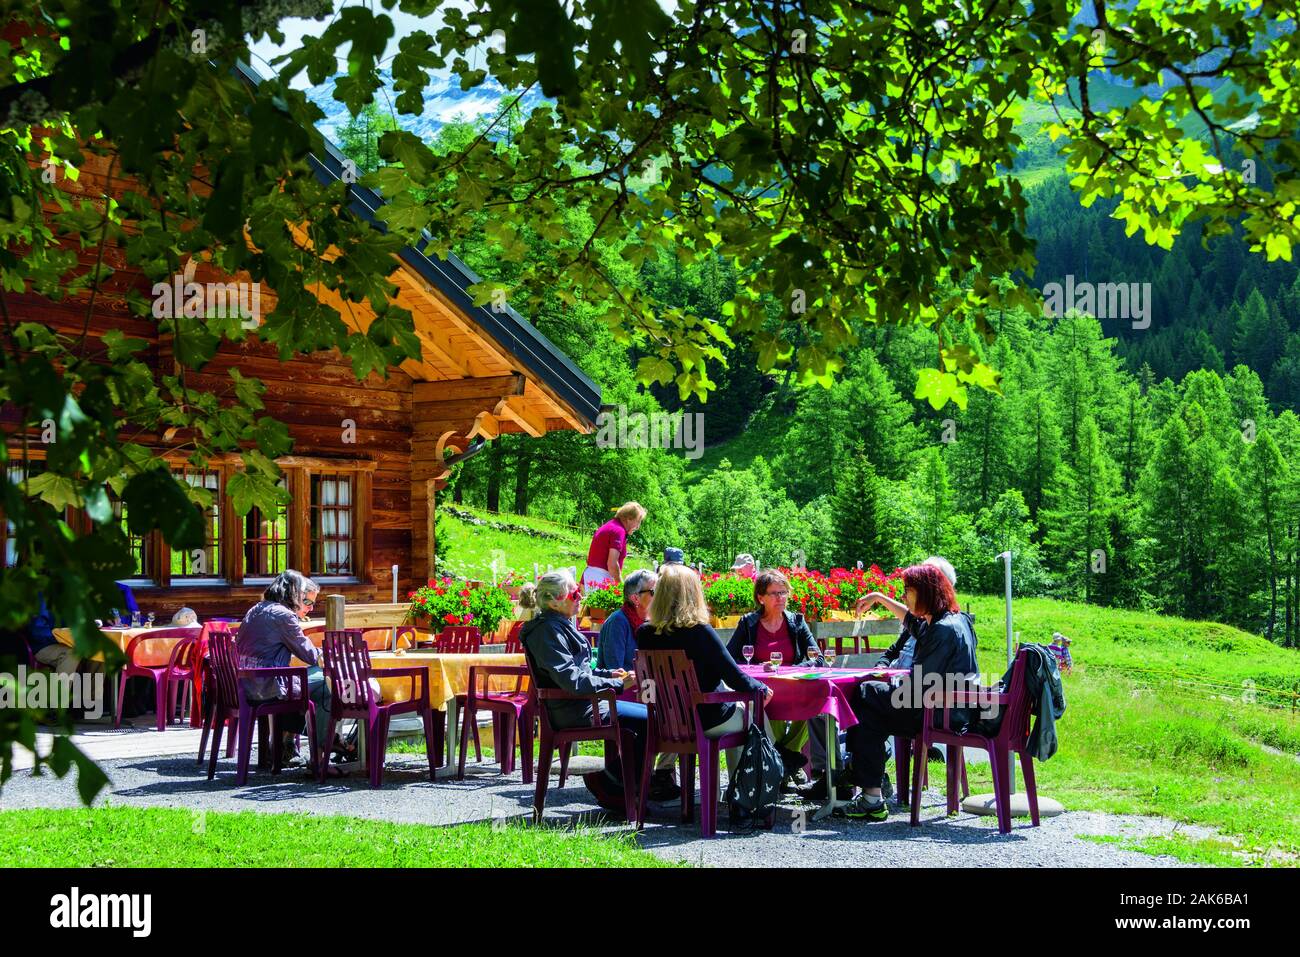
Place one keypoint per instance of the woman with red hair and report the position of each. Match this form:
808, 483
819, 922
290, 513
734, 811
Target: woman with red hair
945, 646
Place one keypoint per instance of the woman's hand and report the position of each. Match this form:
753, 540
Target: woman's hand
628, 677
866, 602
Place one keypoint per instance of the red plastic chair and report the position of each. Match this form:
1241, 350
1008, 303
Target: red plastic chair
347, 665
203, 678
458, 640
232, 706
512, 711
1012, 737
672, 693
552, 738
515, 644
167, 678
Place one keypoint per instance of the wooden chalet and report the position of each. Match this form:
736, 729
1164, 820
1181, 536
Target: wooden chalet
368, 458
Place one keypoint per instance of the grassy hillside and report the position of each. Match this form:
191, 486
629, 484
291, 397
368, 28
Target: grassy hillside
1167, 716
471, 549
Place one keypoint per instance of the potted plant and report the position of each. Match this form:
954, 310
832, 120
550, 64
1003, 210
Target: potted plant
442, 602
729, 596
602, 601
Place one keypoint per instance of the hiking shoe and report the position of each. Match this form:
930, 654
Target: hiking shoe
817, 790
664, 786
865, 808
607, 796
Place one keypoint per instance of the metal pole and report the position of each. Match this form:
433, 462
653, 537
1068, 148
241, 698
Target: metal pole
394, 602
1006, 564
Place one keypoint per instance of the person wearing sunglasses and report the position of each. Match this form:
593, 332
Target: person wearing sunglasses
560, 657
617, 649
269, 636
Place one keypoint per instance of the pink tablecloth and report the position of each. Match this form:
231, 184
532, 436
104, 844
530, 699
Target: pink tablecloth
797, 699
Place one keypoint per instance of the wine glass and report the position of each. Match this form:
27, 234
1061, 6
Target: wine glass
776, 658
829, 657
149, 619
748, 652
136, 621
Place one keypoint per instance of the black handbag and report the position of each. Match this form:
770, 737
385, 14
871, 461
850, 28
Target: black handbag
754, 786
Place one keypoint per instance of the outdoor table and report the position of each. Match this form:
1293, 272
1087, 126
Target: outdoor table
155, 653
448, 677
802, 692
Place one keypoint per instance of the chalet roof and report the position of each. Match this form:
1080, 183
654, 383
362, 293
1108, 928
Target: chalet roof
537, 356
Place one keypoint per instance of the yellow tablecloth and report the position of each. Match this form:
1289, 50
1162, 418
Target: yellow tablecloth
448, 674
150, 652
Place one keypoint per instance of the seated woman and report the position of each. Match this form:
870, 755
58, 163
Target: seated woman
679, 620
772, 627
560, 657
945, 645
269, 635
901, 652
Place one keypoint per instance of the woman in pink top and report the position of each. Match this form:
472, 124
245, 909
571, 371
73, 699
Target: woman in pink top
608, 549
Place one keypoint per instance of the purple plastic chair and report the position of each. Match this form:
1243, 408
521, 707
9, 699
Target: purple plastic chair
347, 665
1012, 737
458, 640
515, 644
233, 706
903, 768
167, 678
563, 738
672, 694
512, 711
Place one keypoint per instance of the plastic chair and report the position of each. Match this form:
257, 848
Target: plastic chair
458, 640
511, 711
232, 706
1012, 737
347, 666
167, 678
672, 694
203, 676
563, 738
515, 644
903, 768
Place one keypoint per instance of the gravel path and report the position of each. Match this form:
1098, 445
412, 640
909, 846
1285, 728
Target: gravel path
408, 796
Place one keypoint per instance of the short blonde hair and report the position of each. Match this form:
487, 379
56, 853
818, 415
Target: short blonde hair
631, 511
679, 600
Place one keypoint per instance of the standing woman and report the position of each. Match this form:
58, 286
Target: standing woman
608, 549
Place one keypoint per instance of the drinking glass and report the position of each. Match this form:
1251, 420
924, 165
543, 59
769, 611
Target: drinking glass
135, 619
149, 619
776, 658
748, 652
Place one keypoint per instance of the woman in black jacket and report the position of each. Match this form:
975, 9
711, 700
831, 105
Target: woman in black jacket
679, 620
773, 627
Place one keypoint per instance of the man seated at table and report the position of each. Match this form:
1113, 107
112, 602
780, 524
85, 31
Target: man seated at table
617, 649
269, 636
561, 658
773, 627
945, 646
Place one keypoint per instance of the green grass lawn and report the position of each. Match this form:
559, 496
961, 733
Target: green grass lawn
165, 837
1134, 742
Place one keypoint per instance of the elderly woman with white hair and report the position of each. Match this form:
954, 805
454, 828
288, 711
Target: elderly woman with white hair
902, 651
560, 657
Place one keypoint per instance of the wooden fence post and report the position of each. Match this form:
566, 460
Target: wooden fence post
334, 606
